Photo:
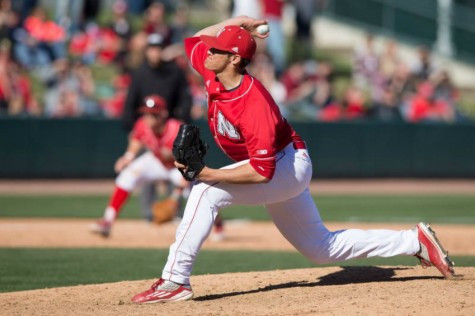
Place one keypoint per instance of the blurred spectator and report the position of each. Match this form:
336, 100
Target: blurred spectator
401, 84
222, 8
309, 88
180, 28
85, 44
423, 67
263, 69
299, 80
324, 95
40, 41
425, 107
90, 11
8, 20
389, 60
247, 7
69, 15
96, 44
24, 8
4, 82
121, 23
122, 27
137, 7
155, 22
199, 106
444, 88
71, 91
113, 106
305, 13
353, 104
156, 76
16, 97
136, 47
388, 109
387, 65
365, 64
351, 107
109, 46
275, 44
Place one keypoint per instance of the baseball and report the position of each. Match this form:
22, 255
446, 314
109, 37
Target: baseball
262, 29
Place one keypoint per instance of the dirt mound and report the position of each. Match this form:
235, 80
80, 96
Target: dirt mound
317, 291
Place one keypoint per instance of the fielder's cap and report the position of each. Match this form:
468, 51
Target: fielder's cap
233, 39
155, 39
153, 104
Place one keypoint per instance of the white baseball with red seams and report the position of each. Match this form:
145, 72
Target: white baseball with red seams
248, 127
263, 29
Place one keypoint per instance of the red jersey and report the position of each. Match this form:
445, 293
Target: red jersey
155, 143
273, 8
245, 121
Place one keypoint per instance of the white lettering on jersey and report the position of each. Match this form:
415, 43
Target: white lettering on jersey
225, 128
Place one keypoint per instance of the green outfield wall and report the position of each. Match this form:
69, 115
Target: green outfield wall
88, 148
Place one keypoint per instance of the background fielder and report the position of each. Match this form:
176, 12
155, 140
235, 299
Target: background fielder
155, 132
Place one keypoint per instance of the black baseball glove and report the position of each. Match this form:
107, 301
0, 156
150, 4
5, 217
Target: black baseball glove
189, 150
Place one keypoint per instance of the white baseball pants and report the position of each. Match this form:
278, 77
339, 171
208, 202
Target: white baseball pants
146, 168
289, 203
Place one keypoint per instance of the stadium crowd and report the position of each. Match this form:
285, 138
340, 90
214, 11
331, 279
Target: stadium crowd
58, 57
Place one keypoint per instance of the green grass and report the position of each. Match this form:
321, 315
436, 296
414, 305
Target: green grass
459, 209
27, 268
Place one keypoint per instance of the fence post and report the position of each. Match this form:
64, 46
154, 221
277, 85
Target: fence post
444, 45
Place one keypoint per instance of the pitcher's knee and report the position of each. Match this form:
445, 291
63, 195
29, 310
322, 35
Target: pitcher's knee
318, 256
318, 250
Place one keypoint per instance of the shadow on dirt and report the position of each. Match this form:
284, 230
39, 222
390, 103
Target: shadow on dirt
347, 275
352, 275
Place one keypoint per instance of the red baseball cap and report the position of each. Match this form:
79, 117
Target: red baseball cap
153, 104
233, 39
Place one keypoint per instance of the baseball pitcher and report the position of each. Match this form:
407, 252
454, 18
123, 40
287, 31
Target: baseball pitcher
273, 168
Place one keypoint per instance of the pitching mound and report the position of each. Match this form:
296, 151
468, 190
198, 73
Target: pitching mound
317, 291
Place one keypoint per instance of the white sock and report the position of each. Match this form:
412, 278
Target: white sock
109, 214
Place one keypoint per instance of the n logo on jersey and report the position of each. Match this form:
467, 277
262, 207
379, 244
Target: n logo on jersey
225, 128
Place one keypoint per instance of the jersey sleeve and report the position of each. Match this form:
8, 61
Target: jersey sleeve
138, 131
197, 52
258, 127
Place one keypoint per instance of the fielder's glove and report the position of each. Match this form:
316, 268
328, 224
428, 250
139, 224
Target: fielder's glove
189, 150
165, 210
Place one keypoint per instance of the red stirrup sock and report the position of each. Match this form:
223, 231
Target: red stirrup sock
117, 200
